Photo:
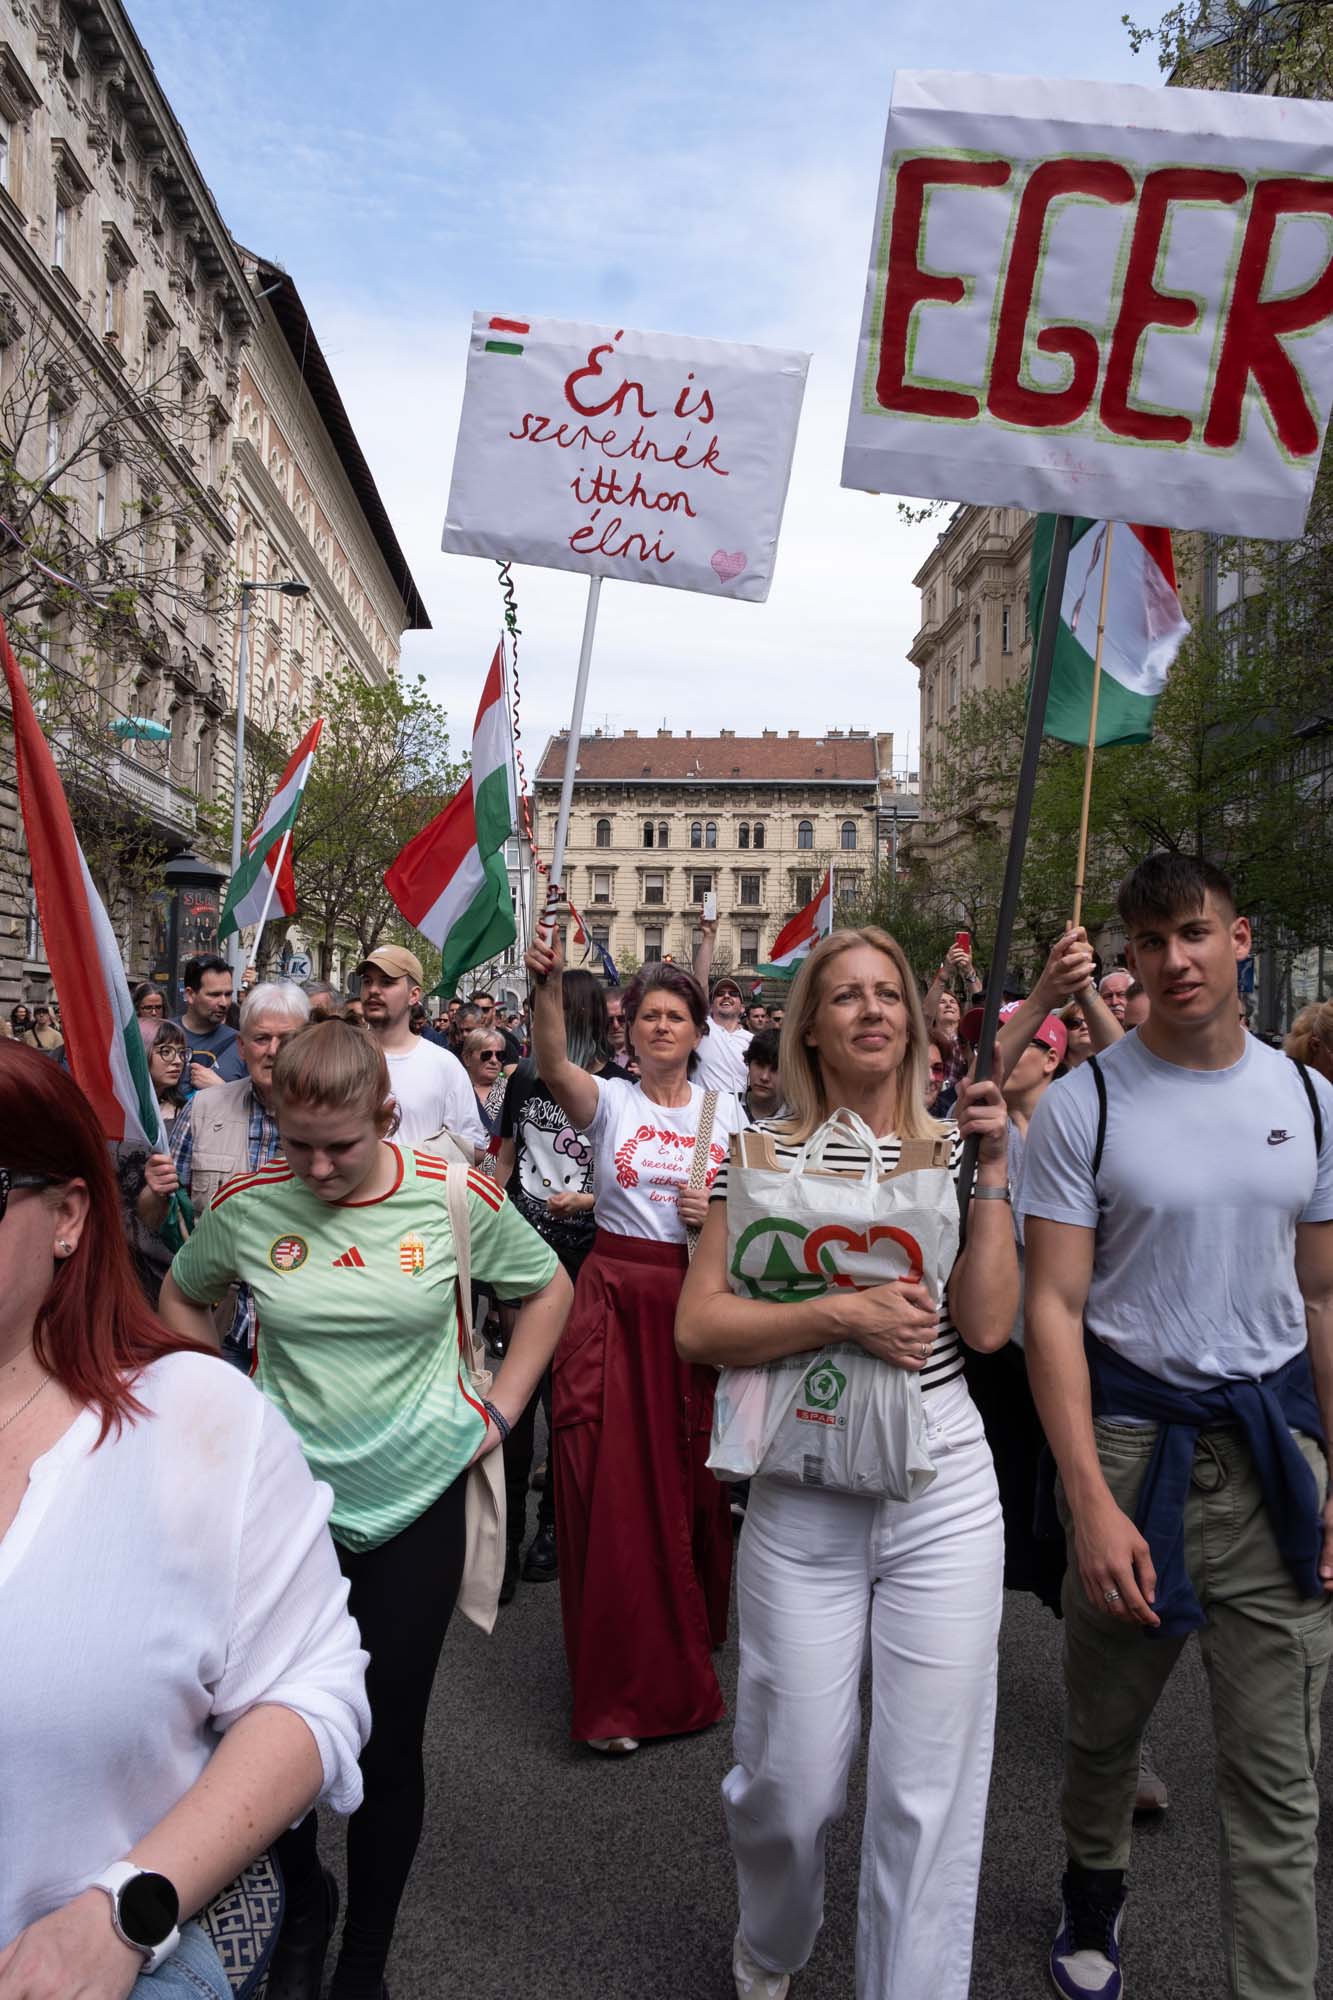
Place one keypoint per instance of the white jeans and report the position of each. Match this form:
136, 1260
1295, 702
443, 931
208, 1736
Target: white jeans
928, 1574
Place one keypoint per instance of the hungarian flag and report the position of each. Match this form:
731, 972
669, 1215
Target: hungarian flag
798, 937
103, 1045
450, 882
1144, 628
252, 891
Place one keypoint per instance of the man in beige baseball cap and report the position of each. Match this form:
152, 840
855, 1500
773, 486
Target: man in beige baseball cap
429, 1083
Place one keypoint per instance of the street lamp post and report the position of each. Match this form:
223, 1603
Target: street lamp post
290, 588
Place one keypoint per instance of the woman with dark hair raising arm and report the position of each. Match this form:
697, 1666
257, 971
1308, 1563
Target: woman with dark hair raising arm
645, 1529
181, 1678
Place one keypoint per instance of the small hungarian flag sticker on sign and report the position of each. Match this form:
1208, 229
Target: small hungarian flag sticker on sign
506, 326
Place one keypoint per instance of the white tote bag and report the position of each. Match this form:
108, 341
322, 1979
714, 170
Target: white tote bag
838, 1419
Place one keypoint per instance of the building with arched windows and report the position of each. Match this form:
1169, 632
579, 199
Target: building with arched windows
661, 821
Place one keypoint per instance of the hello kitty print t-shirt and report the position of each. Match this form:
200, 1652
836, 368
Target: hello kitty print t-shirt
550, 1157
644, 1152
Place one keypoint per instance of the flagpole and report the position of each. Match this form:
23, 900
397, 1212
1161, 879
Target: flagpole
283, 845
1038, 692
1081, 872
513, 766
572, 752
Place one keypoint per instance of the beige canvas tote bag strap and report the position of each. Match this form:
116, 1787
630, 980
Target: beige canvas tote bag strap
484, 1507
703, 1138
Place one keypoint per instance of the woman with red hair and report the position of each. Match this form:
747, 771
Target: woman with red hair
181, 1677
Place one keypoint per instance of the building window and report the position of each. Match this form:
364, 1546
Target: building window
33, 945
601, 885
6, 151
848, 884
710, 834
953, 683
103, 496
803, 890
601, 936
652, 944
60, 236
749, 891
805, 834
647, 833
696, 833
743, 834
52, 440
603, 837
1027, 621
759, 833
976, 635
848, 835
930, 699
654, 888
661, 833
1006, 628
749, 947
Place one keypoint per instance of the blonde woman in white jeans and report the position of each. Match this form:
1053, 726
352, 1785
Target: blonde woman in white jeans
815, 1566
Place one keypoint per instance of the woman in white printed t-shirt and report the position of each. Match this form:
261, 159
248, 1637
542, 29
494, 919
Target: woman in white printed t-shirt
644, 1529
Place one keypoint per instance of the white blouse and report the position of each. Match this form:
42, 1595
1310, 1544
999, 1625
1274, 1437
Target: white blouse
152, 1592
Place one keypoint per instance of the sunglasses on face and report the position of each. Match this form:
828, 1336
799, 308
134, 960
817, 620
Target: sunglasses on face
937, 1069
9, 1181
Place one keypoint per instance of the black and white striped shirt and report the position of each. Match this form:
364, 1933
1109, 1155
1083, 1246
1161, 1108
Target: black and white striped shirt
946, 1356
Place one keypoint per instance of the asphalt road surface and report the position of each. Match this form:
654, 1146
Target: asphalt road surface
549, 1873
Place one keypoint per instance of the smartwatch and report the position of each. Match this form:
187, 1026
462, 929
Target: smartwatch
145, 1910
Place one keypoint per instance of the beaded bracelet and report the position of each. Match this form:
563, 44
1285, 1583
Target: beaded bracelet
497, 1420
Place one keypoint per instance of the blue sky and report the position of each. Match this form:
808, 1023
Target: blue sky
671, 165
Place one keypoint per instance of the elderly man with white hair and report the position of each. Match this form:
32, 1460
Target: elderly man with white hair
227, 1131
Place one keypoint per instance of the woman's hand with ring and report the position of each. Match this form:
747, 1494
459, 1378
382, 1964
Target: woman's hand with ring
897, 1323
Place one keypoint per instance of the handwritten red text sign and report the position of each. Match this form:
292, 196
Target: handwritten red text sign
646, 456
1099, 299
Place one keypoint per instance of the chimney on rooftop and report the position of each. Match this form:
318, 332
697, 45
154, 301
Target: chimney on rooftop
631, 732
832, 733
768, 733
727, 733
664, 732
793, 735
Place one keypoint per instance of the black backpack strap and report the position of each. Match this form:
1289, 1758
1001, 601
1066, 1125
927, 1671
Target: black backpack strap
1100, 1082
1315, 1111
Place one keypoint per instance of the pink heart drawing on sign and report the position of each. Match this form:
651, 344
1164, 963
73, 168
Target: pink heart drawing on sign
728, 566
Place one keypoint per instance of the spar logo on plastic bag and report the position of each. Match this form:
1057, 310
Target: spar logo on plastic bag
821, 1393
785, 1262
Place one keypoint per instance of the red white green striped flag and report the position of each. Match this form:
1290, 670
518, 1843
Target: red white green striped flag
450, 881
268, 852
798, 938
1145, 628
103, 1045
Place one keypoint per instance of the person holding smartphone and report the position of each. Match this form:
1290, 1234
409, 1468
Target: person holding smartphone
722, 1051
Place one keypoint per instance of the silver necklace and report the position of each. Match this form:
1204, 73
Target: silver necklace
15, 1414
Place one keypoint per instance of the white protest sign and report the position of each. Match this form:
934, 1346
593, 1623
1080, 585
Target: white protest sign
651, 457
1099, 299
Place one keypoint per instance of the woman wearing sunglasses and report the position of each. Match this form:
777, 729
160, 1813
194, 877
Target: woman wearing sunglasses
135, 1165
181, 1677
483, 1057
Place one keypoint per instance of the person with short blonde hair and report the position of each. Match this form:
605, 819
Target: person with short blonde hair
816, 1567
347, 1244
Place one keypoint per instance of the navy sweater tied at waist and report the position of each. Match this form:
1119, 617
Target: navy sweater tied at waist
1265, 1412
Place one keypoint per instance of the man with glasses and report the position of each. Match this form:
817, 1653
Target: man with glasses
214, 1057
229, 1131
488, 1018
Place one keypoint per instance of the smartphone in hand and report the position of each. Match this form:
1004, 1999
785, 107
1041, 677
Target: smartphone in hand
963, 942
710, 907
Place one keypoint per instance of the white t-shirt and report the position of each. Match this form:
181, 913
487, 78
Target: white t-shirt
433, 1091
722, 1059
152, 1592
644, 1153
1204, 1177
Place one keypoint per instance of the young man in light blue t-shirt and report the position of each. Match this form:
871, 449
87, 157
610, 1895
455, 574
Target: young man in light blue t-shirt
1178, 1208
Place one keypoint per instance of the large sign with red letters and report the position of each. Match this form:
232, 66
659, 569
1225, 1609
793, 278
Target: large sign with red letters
1099, 299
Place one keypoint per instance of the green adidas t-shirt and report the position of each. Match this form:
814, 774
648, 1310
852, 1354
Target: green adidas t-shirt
358, 1339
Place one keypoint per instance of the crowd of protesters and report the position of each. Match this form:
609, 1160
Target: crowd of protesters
1112, 1389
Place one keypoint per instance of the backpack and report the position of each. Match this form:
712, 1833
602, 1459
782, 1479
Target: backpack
1100, 1081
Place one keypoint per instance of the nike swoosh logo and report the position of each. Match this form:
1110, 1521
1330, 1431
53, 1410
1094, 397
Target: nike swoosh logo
1278, 1138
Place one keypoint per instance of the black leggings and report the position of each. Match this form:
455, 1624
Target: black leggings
402, 1596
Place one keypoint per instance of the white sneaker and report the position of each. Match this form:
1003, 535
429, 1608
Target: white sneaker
613, 1746
753, 1982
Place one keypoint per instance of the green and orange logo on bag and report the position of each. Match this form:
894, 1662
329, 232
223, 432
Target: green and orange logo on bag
785, 1262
